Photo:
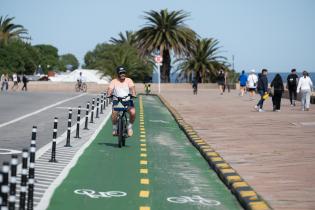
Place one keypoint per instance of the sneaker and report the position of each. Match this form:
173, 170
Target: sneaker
130, 132
291, 105
278, 110
261, 110
114, 132
256, 107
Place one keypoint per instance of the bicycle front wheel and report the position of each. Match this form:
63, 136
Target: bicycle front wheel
120, 132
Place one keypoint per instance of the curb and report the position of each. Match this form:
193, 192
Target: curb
245, 194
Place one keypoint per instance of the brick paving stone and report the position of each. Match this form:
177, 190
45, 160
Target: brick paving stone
273, 151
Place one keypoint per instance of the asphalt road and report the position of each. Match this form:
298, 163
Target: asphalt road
20, 111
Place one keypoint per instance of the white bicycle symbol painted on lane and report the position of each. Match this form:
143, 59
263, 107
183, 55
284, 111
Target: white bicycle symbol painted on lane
93, 194
195, 199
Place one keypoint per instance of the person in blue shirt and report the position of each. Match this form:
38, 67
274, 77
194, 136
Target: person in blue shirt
243, 82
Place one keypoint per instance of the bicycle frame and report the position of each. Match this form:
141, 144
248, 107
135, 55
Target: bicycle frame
121, 108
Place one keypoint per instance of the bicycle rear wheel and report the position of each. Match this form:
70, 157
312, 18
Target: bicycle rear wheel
76, 87
84, 87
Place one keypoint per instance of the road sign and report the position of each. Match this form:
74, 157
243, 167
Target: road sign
158, 59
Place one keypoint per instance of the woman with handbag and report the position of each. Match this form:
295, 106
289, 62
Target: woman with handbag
277, 90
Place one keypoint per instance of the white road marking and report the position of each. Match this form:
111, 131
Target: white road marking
4, 151
40, 110
159, 121
68, 107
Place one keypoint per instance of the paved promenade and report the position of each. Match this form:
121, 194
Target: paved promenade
273, 151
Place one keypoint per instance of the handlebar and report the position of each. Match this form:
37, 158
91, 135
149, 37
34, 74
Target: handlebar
122, 98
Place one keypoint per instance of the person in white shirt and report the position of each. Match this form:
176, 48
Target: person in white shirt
305, 85
15, 82
252, 80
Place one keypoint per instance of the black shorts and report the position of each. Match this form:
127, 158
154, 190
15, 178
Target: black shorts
251, 89
127, 104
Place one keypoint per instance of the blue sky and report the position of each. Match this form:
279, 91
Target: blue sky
273, 34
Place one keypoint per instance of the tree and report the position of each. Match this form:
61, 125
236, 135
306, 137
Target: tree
106, 57
68, 59
202, 61
129, 38
48, 57
10, 31
165, 32
18, 57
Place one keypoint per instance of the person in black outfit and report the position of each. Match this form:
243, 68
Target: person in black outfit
195, 86
262, 88
221, 81
25, 81
292, 81
277, 85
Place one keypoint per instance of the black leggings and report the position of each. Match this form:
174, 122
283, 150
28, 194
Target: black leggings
292, 92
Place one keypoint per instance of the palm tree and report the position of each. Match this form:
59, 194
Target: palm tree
164, 33
128, 38
9, 30
202, 61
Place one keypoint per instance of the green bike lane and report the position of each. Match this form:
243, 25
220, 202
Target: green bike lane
158, 169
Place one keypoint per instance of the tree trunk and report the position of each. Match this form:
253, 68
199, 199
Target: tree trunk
166, 67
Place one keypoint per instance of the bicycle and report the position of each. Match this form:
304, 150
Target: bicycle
80, 86
122, 107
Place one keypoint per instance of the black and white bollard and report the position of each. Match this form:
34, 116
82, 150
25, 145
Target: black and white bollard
31, 178
23, 179
53, 149
87, 116
69, 129
102, 99
92, 111
12, 193
97, 107
5, 185
1, 198
77, 132
105, 99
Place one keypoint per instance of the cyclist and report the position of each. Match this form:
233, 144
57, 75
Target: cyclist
147, 88
80, 80
122, 86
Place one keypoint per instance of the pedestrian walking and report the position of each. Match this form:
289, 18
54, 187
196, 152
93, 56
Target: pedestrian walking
305, 85
262, 88
195, 86
15, 82
292, 82
25, 81
277, 90
243, 82
226, 82
221, 80
4, 82
252, 80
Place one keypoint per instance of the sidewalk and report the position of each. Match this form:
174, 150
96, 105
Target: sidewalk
273, 151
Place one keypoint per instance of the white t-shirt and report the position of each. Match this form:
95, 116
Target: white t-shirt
121, 89
14, 76
252, 79
305, 84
